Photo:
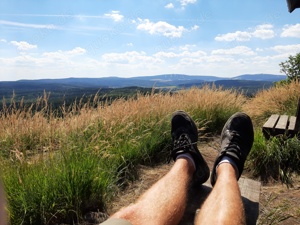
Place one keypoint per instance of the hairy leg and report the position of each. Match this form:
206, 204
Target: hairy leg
164, 203
224, 204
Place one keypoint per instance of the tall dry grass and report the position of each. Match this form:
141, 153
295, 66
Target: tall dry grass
281, 99
39, 128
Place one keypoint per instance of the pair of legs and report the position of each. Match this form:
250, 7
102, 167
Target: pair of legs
165, 202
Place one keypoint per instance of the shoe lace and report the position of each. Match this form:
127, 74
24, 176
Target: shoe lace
182, 145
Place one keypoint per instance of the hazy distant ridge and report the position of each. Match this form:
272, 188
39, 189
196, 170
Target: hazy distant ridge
163, 80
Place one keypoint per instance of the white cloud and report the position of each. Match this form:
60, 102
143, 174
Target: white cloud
132, 57
23, 45
238, 50
185, 53
290, 49
130, 44
195, 27
291, 31
169, 6
115, 15
187, 47
263, 31
166, 55
186, 2
76, 51
26, 25
160, 27
236, 36
3, 40
64, 55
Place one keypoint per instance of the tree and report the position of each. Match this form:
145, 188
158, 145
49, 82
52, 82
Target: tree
291, 67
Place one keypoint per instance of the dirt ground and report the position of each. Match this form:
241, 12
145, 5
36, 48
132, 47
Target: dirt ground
278, 204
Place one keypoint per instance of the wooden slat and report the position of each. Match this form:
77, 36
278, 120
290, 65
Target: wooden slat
282, 122
250, 189
291, 129
292, 123
269, 126
271, 121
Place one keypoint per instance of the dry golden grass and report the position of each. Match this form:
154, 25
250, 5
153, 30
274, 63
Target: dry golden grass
24, 127
279, 99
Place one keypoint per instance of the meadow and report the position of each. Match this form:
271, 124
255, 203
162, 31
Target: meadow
56, 165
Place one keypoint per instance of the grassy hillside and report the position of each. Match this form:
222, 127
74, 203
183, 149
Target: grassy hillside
57, 167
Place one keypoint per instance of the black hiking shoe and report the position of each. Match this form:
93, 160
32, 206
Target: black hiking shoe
236, 142
185, 136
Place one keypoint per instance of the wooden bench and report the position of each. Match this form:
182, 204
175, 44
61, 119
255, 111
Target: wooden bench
282, 124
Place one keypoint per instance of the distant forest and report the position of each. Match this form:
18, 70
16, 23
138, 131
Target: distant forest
57, 98
58, 95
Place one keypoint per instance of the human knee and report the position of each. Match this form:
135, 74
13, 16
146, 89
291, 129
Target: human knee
128, 213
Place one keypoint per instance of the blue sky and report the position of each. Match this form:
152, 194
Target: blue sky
126, 38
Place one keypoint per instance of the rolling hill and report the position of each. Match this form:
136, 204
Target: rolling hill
77, 87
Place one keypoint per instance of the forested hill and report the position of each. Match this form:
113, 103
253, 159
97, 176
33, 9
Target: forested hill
71, 88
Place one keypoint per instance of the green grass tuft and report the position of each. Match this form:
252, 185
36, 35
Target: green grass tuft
276, 158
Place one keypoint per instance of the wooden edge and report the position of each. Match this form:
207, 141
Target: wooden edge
268, 127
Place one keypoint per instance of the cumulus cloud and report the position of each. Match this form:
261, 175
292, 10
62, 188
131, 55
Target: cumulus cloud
186, 2
291, 49
3, 40
132, 57
115, 15
185, 53
238, 50
187, 47
169, 6
291, 31
263, 31
236, 36
64, 55
23, 45
160, 27
76, 51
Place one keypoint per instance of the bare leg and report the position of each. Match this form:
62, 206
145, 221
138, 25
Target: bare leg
164, 203
224, 204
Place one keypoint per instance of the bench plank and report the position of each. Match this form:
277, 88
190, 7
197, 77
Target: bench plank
282, 122
269, 126
292, 123
292, 126
271, 121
